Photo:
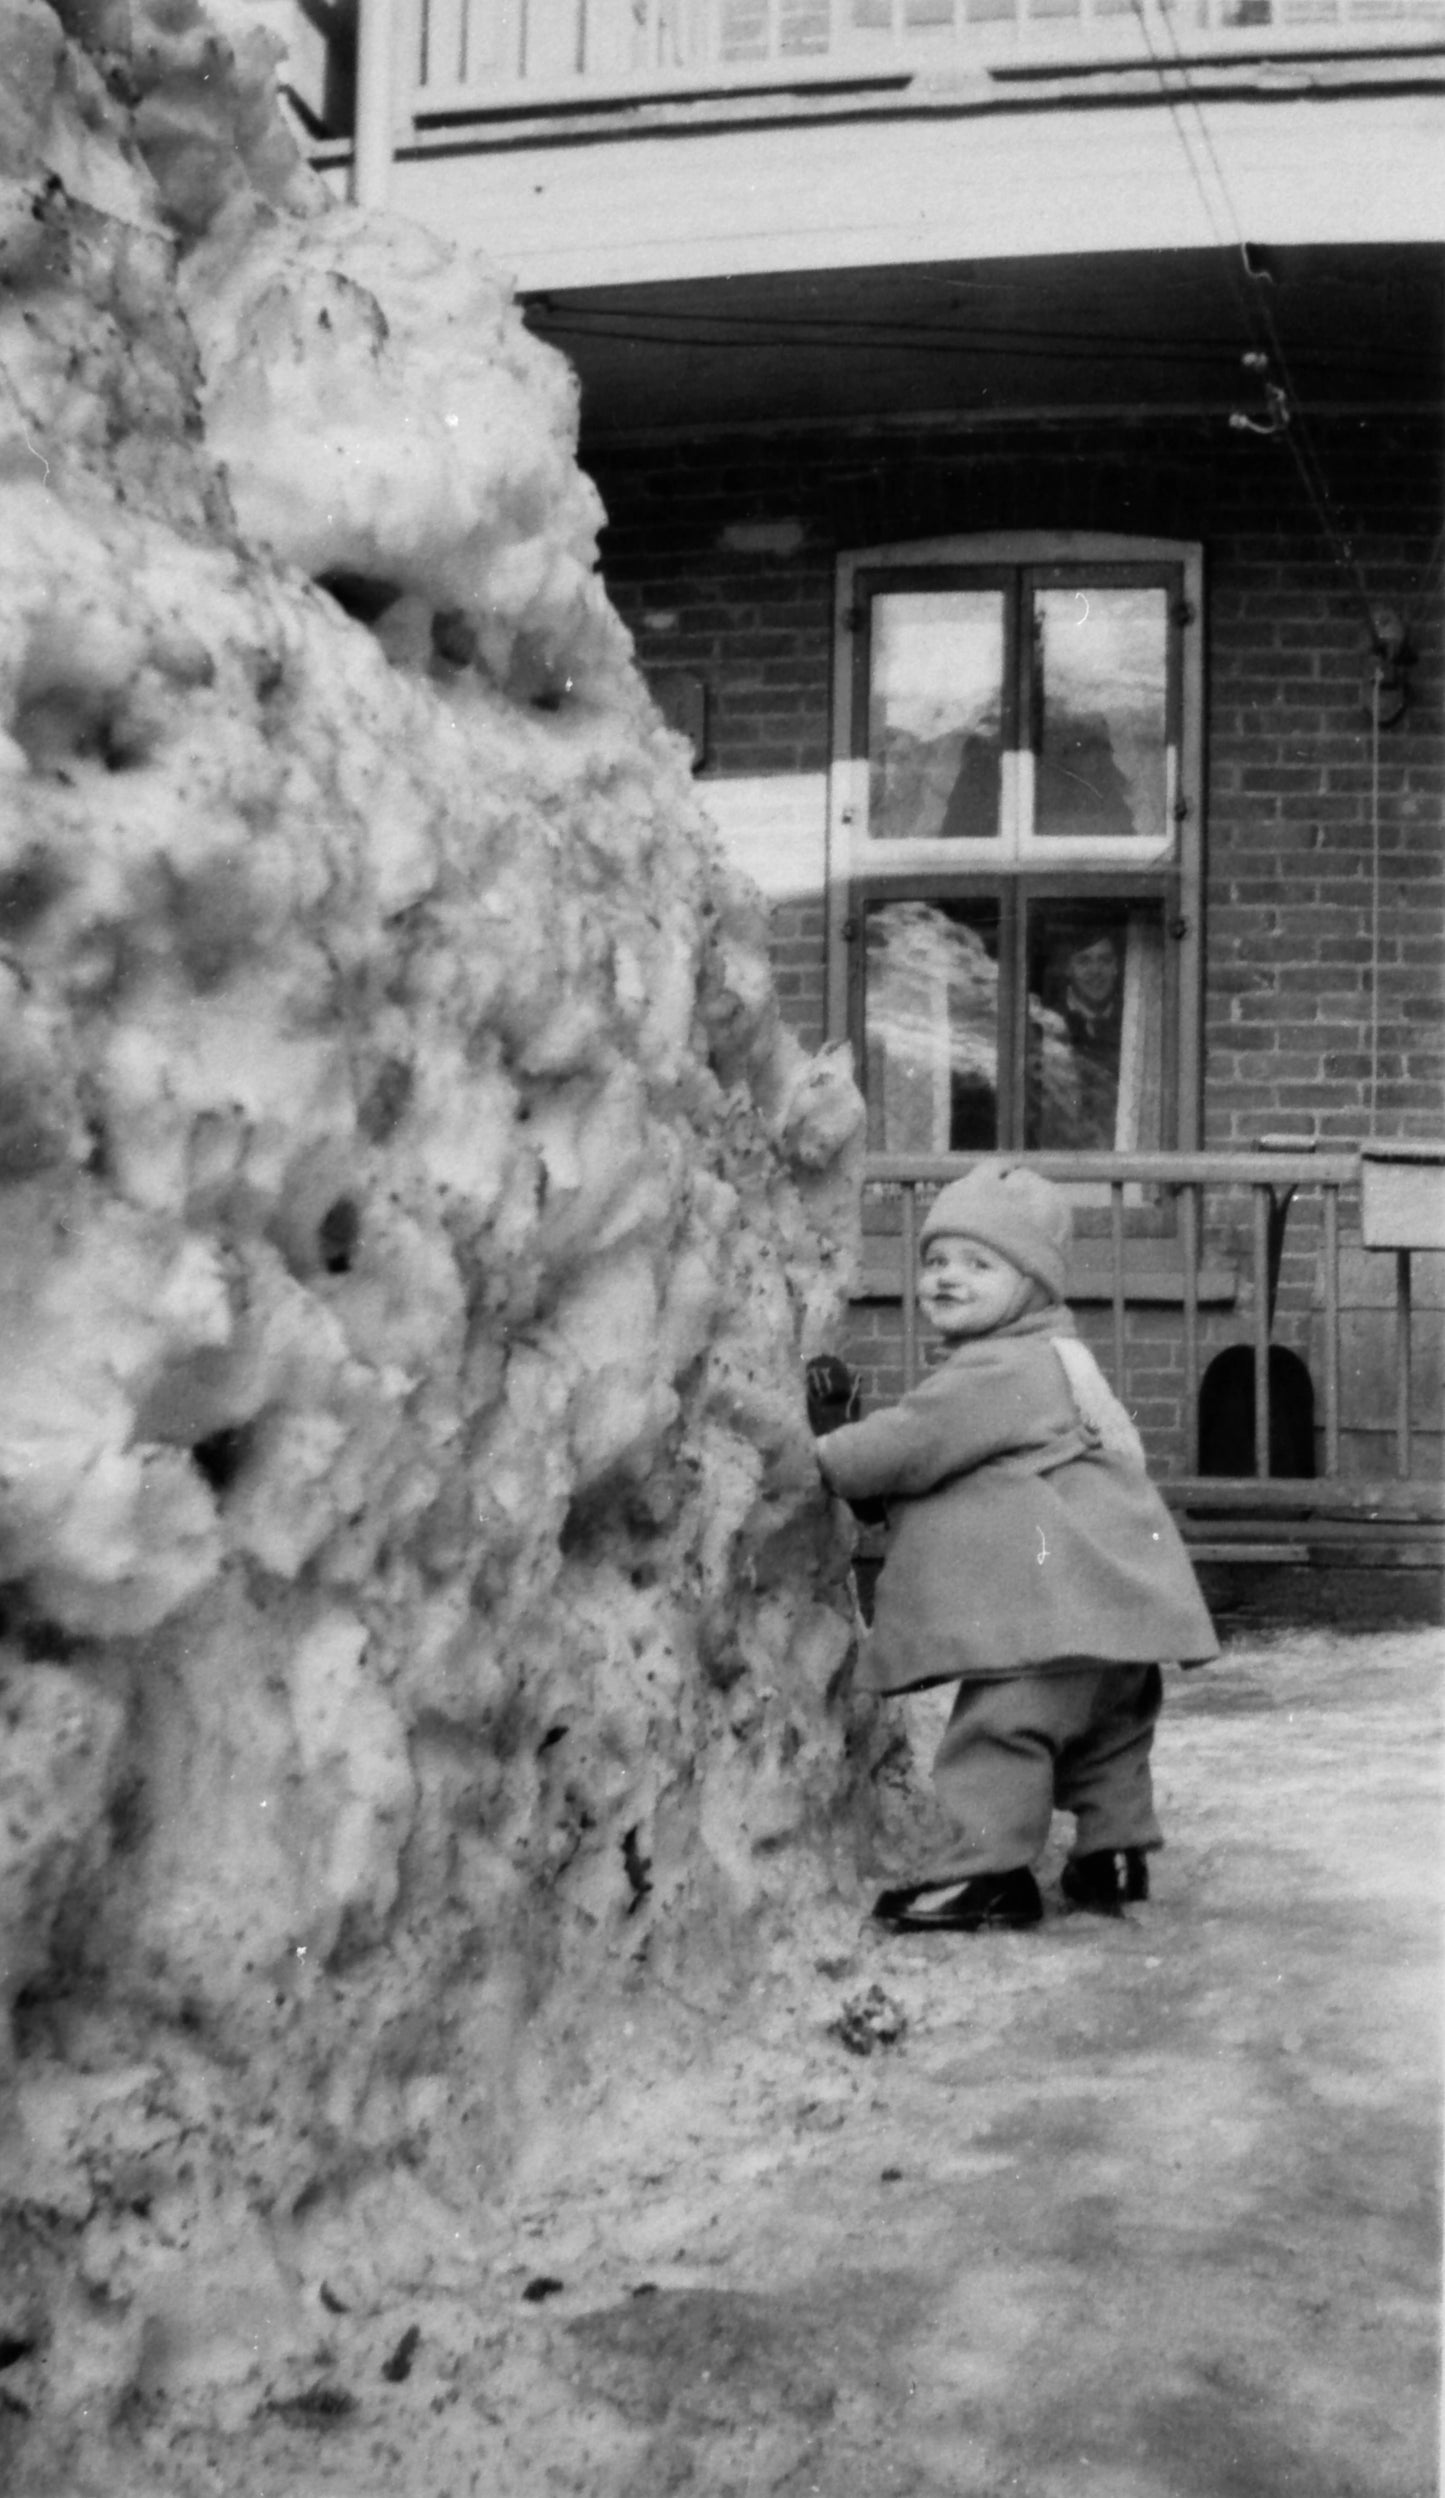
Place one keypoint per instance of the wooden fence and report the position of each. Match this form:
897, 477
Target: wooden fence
1257, 1513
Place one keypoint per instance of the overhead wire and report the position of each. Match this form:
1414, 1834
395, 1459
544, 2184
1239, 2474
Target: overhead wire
803, 326
1376, 903
851, 332
1293, 429
1251, 278
851, 336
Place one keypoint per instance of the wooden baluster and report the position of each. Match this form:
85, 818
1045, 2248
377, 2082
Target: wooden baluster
1332, 1331
1261, 1327
1402, 1364
456, 46
504, 46
1116, 1278
910, 1284
1189, 1241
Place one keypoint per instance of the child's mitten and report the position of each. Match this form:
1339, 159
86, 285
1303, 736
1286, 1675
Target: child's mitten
832, 1394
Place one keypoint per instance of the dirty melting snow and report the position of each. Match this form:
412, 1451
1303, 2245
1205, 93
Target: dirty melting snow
421, 1615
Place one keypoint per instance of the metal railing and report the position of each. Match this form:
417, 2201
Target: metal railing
1257, 1188
473, 56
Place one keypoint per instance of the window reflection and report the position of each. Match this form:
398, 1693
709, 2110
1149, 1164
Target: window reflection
936, 664
932, 1025
1100, 672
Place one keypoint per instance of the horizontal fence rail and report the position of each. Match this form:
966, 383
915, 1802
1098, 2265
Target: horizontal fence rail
473, 56
1247, 1515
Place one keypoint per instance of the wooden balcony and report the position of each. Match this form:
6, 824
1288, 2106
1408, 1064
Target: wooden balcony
459, 60
530, 129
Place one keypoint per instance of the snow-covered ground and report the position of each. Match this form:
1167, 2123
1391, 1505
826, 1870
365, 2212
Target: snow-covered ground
1135, 2210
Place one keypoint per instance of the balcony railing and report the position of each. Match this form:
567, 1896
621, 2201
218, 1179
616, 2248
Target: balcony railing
1244, 1197
458, 58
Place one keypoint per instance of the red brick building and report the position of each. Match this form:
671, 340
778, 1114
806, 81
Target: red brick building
1020, 428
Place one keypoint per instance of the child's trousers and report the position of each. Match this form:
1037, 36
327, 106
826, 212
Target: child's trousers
1079, 1738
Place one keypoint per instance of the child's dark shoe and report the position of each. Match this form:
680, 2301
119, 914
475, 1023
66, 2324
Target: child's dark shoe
1104, 1881
1002, 1900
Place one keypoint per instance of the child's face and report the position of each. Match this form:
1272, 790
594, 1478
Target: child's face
967, 1290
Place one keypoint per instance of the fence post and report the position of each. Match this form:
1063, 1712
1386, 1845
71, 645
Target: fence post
1332, 1331
1116, 1278
1189, 1211
910, 1284
1262, 1298
1402, 1364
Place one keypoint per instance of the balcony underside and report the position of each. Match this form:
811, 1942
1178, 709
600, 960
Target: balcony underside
1152, 333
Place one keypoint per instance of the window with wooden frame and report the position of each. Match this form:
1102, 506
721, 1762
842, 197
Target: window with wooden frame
1015, 842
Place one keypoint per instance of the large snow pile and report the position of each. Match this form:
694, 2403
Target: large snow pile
420, 1612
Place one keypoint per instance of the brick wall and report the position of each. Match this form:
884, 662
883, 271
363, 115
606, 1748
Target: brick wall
798, 961
1290, 853
1325, 868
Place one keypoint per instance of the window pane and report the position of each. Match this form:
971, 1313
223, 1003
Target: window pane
1095, 1045
931, 1021
934, 714
1100, 679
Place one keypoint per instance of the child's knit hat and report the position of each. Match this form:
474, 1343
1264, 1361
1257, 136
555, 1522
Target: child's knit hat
1019, 1213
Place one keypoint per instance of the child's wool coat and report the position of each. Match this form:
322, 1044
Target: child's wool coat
1019, 1541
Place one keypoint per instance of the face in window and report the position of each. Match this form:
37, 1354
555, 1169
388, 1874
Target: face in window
966, 1290
1093, 975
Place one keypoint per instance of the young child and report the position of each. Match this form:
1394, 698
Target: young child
1030, 1560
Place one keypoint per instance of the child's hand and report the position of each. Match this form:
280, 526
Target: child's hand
832, 1394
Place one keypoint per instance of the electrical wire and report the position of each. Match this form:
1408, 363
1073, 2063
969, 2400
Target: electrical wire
1042, 350
1290, 424
1287, 418
860, 338
665, 326
1298, 438
1375, 898
722, 329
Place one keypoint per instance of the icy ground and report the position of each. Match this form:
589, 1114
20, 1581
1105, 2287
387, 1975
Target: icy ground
1143, 2210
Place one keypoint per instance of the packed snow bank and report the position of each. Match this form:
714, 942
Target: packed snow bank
420, 1610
